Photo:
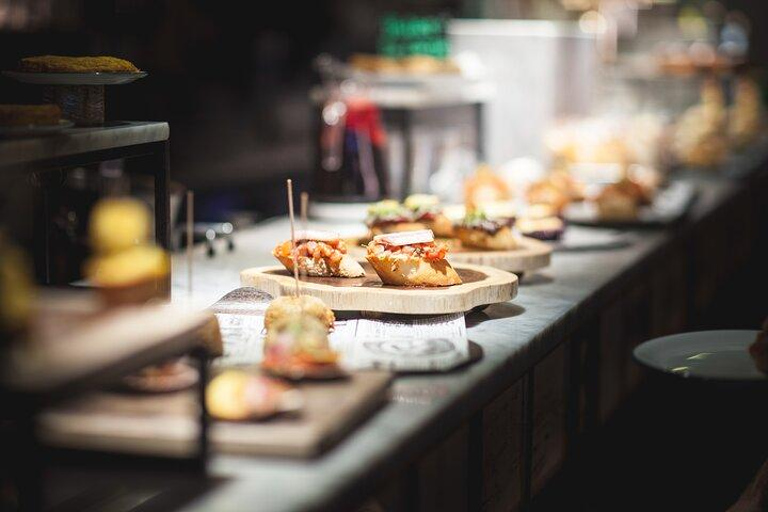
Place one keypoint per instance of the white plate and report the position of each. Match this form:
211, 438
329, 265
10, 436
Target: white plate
35, 130
95, 78
711, 355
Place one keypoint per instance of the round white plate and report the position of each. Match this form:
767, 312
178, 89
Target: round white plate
35, 130
95, 78
711, 355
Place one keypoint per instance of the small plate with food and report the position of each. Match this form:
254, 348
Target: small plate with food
405, 273
65, 70
627, 204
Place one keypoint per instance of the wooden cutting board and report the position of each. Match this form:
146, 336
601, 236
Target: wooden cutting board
530, 255
167, 424
481, 286
75, 345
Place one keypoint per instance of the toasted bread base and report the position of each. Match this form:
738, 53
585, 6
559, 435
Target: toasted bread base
414, 271
441, 226
347, 267
502, 240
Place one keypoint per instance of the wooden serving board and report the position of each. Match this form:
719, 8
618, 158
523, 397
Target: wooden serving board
481, 286
75, 345
530, 255
166, 425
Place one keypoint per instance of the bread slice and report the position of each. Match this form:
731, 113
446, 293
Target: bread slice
441, 226
412, 271
347, 267
502, 240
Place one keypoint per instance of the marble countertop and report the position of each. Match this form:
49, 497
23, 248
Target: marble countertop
74, 141
514, 336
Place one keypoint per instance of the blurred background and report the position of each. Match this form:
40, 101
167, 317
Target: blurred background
252, 92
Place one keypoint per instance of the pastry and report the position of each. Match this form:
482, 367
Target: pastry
621, 200
411, 259
319, 254
62, 64
426, 210
480, 231
745, 118
29, 115
700, 137
389, 216
235, 395
485, 186
296, 347
288, 305
118, 224
127, 268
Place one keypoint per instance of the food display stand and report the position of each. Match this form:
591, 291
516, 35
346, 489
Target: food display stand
43, 159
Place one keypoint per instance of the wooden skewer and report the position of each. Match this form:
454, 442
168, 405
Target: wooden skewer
294, 254
304, 206
190, 237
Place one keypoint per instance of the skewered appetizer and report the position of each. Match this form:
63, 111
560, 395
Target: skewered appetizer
29, 115
239, 396
289, 305
127, 268
621, 200
63, 64
389, 216
411, 259
297, 347
425, 210
484, 187
318, 254
482, 231
540, 222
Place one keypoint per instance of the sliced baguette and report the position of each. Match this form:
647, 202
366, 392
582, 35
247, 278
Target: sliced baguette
398, 271
502, 240
347, 267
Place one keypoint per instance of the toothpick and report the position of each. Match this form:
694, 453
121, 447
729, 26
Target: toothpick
190, 236
304, 205
294, 254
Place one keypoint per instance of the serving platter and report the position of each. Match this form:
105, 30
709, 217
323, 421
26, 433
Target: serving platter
74, 344
709, 355
669, 206
167, 424
530, 255
95, 78
480, 286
